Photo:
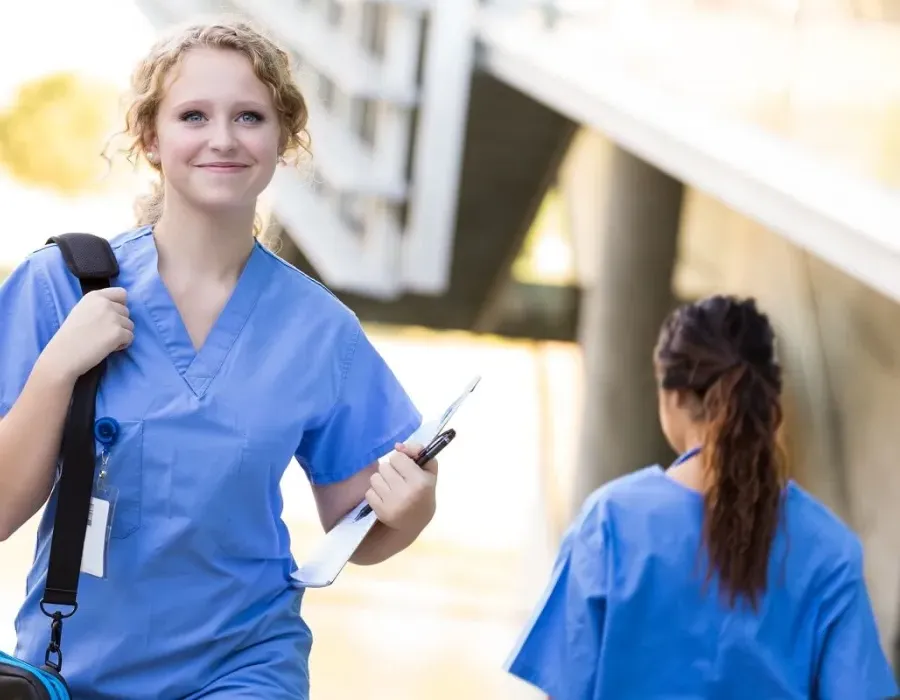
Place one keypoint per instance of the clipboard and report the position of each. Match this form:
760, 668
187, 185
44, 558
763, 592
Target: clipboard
333, 552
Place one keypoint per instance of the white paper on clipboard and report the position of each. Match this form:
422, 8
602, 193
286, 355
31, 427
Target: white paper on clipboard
335, 549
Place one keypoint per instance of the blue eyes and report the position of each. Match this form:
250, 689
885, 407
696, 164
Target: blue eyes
195, 117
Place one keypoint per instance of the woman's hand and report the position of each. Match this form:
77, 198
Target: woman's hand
402, 493
97, 326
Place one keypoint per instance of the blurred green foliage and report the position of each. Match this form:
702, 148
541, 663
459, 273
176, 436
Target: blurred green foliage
54, 132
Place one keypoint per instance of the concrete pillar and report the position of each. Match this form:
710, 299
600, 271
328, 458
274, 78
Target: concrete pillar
896, 650
634, 222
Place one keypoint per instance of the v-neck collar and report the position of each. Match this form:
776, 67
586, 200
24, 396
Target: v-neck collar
199, 367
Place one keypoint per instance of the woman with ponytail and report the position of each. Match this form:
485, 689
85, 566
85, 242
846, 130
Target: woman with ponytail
717, 577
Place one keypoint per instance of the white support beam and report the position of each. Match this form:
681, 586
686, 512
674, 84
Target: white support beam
329, 50
440, 140
417, 5
345, 261
393, 123
852, 223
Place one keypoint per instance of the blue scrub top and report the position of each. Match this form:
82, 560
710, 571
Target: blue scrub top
626, 617
198, 601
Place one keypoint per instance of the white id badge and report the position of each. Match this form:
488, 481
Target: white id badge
100, 515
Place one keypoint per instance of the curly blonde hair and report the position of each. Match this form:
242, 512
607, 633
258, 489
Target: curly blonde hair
271, 64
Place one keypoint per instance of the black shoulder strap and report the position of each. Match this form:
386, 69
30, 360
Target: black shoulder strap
91, 259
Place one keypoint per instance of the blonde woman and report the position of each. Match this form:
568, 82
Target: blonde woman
223, 363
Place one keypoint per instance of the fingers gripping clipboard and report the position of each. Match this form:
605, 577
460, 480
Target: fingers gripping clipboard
335, 549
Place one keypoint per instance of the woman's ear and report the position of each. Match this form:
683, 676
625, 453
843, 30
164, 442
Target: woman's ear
683, 398
690, 403
151, 148
671, 402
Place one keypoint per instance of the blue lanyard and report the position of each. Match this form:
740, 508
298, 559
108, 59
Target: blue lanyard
686, 456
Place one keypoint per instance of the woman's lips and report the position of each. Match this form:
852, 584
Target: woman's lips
223, 167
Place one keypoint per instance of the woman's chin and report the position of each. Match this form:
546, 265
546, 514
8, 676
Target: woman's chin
222, 204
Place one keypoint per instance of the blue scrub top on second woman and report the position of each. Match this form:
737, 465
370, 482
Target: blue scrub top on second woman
197, 601
626, 616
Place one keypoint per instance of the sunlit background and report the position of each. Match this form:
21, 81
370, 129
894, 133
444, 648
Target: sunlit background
778, 119
63, 74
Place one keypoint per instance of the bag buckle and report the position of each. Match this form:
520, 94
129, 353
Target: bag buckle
53, 656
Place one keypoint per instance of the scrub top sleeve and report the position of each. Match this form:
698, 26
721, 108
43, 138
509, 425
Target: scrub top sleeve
372, 413
560, 650
28, 320
852, 663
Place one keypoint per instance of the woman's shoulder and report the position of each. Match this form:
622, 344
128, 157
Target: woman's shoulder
44, 266
641, 489
633, 495
306, 289
814, 527
47, 260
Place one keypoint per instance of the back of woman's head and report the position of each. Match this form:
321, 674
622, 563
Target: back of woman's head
271, 64
720, 352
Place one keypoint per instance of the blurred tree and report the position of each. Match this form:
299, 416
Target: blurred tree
55, 131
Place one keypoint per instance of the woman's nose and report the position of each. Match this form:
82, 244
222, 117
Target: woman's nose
222, 137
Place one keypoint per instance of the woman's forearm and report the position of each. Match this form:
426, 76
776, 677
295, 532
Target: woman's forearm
382, 543
30, 437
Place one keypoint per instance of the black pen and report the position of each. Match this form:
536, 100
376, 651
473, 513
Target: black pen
425, 456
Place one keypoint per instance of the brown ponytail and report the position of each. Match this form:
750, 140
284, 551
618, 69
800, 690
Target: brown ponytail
721, 350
